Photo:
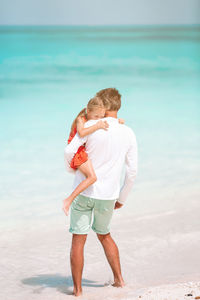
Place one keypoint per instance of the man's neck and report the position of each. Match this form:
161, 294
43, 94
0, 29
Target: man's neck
112, 114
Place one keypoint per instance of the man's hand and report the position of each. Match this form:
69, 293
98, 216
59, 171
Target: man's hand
121, 121
118, 205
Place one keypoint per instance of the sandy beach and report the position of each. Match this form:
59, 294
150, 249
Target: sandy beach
159, 257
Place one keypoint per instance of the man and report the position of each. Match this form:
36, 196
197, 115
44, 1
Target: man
108, 151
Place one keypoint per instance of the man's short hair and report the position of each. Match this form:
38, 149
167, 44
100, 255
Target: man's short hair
111, 98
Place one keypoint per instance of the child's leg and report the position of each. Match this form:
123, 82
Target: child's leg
87, 169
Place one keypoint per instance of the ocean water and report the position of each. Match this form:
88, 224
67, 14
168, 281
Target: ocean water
48, 74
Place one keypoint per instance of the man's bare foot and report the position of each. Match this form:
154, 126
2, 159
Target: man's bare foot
118, 284
77, 292
66, 206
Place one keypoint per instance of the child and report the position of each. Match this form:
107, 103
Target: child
95, 110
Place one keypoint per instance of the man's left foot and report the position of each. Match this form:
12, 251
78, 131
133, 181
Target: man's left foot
118, 284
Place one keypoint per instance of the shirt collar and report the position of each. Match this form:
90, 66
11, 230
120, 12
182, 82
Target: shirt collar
110, 118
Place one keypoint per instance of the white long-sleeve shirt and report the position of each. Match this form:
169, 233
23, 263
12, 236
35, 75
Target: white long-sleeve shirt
108, 151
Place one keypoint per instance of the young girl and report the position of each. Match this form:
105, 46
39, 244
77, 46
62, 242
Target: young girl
95, 110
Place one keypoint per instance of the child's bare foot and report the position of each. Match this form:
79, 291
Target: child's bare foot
66, 206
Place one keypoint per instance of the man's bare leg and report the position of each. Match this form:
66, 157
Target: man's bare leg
77, 261
112, 254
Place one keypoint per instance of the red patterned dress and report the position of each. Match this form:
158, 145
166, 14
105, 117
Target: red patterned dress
81, 156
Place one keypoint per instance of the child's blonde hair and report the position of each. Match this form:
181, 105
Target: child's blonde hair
94, 103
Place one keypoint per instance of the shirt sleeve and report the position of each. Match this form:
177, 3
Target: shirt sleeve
131, 162
71, 149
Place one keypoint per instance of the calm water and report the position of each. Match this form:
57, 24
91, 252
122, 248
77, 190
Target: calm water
47, 76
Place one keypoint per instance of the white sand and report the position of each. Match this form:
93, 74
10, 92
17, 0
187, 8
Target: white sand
159, 257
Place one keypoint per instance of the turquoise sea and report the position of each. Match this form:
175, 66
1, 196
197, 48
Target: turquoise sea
48, 74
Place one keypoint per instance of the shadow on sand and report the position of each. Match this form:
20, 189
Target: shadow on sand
61, 283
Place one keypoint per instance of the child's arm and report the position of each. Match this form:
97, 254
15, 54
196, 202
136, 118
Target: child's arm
82, 131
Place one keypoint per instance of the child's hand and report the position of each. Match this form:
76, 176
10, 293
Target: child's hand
121, 121
102, 125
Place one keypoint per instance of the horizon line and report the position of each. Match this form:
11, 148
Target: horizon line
107, 25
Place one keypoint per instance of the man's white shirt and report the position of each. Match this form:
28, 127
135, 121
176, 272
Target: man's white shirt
108, 151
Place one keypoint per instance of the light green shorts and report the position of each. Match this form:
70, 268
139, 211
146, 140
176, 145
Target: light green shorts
84, 208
